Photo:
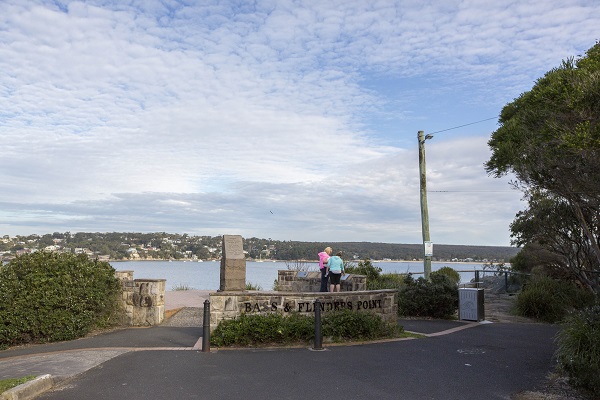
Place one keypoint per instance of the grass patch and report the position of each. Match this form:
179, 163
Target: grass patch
6, 384
181, 287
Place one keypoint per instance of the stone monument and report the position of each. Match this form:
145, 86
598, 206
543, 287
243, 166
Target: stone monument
233, 264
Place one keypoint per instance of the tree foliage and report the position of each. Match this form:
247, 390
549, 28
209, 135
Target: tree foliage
549, 139
550, 223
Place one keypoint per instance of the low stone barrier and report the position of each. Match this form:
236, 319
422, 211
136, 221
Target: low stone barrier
310, 281
231, 304
143, 299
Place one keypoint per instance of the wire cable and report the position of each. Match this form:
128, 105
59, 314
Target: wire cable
471, 191
461, 126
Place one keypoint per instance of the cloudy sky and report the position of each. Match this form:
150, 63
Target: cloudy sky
291, 120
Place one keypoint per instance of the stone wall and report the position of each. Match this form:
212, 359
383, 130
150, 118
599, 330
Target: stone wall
310, 281
143, 299
228, 305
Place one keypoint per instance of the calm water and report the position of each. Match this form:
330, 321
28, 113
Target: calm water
206, 275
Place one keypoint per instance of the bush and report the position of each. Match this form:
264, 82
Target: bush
386, 281
364, 267
578, 351
352, 325
49, 297
249, 329
252, 286
257, 329
437, 298
375, 279
549, 300
451, 273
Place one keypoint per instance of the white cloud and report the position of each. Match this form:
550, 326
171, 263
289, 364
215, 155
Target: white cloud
207, 118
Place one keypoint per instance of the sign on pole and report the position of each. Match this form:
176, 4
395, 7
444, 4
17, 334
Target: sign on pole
428, 249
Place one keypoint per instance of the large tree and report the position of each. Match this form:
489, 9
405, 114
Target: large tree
549, 137
550, 225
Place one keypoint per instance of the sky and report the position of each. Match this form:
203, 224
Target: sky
290, 120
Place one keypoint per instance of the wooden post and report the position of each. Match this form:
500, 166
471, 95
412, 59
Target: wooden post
424, 212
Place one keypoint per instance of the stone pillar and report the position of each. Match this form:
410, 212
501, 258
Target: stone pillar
233, 264
148, 300
128, 286
143, 300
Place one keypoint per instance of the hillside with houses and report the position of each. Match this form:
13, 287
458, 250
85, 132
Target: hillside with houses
170, 246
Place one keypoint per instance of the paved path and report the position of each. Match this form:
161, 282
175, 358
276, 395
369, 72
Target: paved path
456, 361
186, 298
491, 361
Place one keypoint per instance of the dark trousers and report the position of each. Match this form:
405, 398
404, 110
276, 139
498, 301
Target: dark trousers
324, 280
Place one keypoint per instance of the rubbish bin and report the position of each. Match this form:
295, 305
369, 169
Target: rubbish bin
471, 304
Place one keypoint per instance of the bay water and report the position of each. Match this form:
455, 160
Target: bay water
206, 275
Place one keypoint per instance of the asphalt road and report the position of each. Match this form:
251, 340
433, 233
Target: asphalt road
487, 361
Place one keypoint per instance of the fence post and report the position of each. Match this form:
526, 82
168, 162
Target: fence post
206, 327
476, 278
318, 335
506, 281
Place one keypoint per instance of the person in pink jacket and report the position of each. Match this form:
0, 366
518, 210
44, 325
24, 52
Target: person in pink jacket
323, 258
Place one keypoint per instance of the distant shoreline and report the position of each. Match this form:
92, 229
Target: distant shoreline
314, 261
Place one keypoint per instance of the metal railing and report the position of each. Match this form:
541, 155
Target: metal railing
477, 281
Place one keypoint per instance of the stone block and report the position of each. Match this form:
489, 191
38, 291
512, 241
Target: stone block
233, 264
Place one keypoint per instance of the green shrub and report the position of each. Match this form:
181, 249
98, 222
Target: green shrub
375, 279
257, 329
578, 351
386, 281
549, 300
437, 298
298, 328
352, 325
50, 297
451, 273
250, 329
252, 286
364, 267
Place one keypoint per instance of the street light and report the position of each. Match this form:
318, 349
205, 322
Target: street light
427, 244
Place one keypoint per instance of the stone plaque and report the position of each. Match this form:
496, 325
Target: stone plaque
233, 264
233, 247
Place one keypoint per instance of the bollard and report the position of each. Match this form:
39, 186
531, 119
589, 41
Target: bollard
206, 327
318, 336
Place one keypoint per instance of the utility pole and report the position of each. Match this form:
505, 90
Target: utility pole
427, 246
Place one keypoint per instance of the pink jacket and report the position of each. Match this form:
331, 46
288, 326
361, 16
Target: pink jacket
323, 257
